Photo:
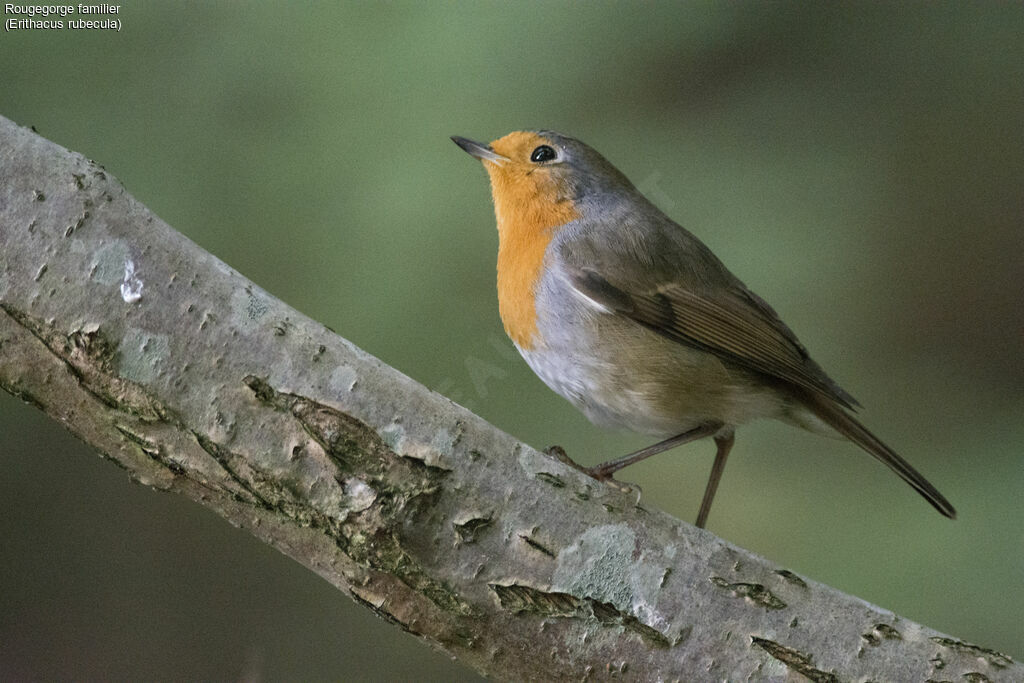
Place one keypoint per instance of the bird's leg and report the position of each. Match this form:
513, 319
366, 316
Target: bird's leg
606, 470
724, 443
559, 453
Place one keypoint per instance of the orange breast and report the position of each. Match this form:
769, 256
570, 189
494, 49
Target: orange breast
530, 202
525, 229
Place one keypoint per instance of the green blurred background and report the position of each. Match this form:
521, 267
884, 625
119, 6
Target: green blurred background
859, 165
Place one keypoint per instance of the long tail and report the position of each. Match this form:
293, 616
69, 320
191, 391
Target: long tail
848, 426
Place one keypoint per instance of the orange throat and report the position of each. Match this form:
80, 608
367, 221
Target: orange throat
530, 202
526, 226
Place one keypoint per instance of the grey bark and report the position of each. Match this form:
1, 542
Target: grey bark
195, 380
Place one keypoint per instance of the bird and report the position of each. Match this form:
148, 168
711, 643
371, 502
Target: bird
633, 320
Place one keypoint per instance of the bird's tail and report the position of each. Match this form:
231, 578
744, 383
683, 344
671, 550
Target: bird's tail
848, 426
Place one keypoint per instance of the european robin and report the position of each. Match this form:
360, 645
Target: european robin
632, 319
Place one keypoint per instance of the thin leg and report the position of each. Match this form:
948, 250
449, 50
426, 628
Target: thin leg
607, 469
724, 443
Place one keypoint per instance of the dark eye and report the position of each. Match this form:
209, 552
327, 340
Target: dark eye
543, 153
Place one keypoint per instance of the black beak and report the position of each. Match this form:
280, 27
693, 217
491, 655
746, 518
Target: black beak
478, 150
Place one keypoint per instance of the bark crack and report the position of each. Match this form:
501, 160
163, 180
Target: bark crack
794, 660
521, 599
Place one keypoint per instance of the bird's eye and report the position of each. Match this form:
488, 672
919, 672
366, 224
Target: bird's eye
543, 153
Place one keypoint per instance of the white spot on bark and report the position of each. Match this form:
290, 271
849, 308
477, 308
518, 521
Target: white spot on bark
360, 495
131, 285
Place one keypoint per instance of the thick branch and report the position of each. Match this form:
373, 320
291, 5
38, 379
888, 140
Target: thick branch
195, 380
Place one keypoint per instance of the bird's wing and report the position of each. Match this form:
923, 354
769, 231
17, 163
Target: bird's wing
676, 287
726, 319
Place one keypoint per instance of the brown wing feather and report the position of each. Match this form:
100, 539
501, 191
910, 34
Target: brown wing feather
732, 328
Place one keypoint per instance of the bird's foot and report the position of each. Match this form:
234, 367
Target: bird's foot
559, 454
598, 472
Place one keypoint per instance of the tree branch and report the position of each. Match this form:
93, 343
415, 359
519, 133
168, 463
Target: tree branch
195, 380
